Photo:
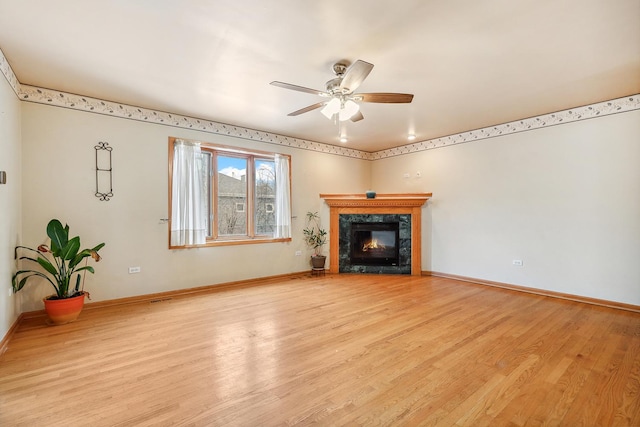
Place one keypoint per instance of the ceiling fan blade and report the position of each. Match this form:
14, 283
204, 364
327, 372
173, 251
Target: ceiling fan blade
357, 117
355, 75
307, 109
387, 98
299, 88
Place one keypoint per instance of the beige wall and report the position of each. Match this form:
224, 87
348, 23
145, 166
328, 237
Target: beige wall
10, 201
564, 199
59, 181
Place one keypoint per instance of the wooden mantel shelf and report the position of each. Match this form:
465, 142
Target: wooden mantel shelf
397, 203
384, 200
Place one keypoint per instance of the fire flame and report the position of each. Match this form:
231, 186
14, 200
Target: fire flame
372, 244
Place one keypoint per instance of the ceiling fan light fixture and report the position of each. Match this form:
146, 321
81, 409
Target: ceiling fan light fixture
348, 110
331, 108
341, 91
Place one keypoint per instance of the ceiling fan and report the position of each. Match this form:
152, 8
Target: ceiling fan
343, 102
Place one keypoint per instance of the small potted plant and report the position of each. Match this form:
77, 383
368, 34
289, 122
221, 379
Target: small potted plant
60, 267
316, 238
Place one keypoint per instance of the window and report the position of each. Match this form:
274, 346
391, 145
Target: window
223, 195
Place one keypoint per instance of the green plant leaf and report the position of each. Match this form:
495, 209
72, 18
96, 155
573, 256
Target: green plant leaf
58, 235
30, 273
83, 254
79, 257
98, 247
69, 251
87, 267
20, 284
46, 264
28, 258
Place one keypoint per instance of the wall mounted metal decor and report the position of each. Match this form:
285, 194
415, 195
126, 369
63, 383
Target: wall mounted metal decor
104, 171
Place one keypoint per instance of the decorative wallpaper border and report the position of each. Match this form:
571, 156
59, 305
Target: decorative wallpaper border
620, 105
6, 69
94, 105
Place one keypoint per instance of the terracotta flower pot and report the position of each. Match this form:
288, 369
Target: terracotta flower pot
61, 311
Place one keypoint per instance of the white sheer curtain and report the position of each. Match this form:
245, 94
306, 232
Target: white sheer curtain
283, 198
189, 209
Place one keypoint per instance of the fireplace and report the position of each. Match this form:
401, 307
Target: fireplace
404, 209
375, 243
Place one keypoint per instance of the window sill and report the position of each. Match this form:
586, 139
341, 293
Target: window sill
232, 242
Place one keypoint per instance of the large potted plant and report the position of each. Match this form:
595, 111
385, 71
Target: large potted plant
60, 265
315, 237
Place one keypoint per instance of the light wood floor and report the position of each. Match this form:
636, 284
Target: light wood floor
335, 350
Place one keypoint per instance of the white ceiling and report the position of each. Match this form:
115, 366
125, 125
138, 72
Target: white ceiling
470, 64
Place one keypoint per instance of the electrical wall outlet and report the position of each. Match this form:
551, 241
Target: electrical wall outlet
134, 270
298, 253
518, 262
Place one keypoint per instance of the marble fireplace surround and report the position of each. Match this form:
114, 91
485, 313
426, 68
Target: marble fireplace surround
359, 204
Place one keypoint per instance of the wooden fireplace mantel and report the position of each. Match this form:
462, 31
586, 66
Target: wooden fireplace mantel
386, 200
397, 203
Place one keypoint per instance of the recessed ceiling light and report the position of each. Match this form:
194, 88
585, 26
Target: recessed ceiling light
343, 139
411, 137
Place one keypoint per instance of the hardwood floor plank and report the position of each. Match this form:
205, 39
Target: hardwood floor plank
332, 350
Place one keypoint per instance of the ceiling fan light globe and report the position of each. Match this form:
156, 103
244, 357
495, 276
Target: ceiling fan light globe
343, 116
331, 108
350, 108
326, 114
